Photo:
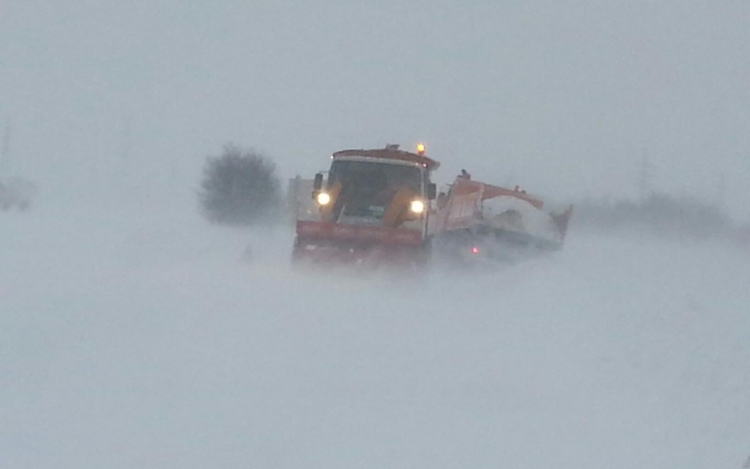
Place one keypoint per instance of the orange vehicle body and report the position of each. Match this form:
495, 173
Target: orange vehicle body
369, 215
483, 220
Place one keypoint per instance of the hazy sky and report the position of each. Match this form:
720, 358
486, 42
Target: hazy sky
564, 97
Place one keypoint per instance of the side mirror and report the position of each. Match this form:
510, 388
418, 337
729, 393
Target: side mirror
431, 191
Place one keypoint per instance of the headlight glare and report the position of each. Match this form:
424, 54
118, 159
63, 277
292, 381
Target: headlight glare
417, 206
323, 198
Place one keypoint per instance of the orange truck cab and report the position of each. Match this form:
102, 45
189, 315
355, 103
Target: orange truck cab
374, 205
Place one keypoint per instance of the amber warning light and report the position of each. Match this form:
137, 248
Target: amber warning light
421, 148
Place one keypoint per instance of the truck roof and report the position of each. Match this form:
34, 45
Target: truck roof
391, 154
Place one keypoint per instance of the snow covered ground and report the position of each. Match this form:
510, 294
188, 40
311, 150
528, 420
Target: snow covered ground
138, 338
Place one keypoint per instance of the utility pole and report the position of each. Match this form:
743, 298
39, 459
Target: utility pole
5, 156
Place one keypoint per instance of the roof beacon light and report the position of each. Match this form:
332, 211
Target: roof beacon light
421, 148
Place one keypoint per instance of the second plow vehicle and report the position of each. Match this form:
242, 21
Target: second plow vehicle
380, 207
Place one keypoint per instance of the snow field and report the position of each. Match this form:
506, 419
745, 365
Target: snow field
139, 338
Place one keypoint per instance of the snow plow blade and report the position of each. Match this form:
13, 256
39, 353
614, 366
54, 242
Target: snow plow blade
326, 243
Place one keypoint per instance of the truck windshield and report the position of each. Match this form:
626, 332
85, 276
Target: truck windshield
368, 188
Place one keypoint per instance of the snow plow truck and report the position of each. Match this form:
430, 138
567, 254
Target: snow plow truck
373, 208
380, 207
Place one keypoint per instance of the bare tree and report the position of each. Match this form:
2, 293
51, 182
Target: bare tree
240, 187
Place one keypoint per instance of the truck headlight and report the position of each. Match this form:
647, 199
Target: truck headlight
416, 206
323, 198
